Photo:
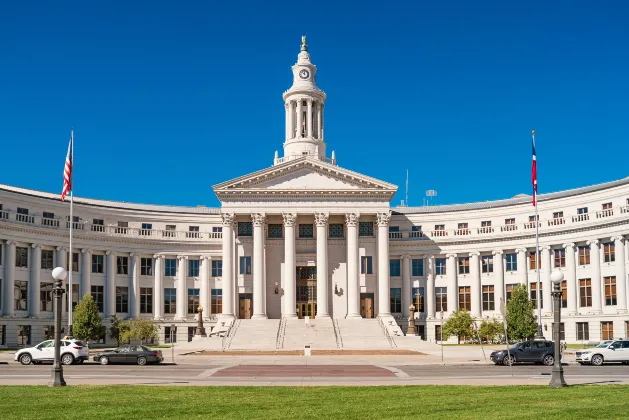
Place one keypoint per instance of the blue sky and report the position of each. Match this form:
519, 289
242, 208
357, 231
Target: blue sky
170, 98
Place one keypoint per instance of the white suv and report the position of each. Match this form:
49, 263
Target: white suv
607, 351
72, 351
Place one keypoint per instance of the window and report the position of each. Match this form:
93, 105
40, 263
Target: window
394, 268
626, 322
365, 228
170, 335
217, 301
98, 296
394, 228
23, 335
607, 206
193, 300
122, 265
464, 265
533, 288
417, 267
245, 229
564, 294
47, 262
396, 299
440, 266
245, 265
532, 219
485, 223
463, 229
336, 230
21, 257
610, 290
274, 231
560, 258
465, 298
585, 292
146, 300
48, 215
75, 261
584, 255
510, 221
217, 268
170, 300
441, 296
509, 289
609, 253
74, 297
440, 227
146, 229
45, 297
512, 262
193, 268
583, 331
533, 261
365, 265
418, 298
558, 215
487, 263
146, 266
122, 299
97, 264
562, 333
419, 228
193, 232
438, 333
170, 267
20, 302
607, 330
488, 298
306, 230
217, 229
98, 225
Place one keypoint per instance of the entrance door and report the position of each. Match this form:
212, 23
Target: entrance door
246, 306
366, 305
306, 292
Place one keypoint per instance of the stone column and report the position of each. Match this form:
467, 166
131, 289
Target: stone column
258, 265
384, 285
228, 265
290, 284
134, 285
499, 286
406, 285
9, 278
523, 269
182, 292
300, 121
353, 285
34, 281
476, 289
158, 287
571, 280
204, 293
309, 119
86, 273
321, 220
453, 290
110, 284
319, 106
430, 288
288, 116
545, 281
595, 261
321, 123
621, 276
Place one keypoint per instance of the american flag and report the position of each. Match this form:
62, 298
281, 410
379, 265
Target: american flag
534, 170
67, 169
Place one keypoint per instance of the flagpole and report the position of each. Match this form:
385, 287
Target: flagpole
71, 227
538, 291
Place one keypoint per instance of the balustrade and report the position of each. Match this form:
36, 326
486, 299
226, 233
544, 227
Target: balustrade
45, 221
604, 213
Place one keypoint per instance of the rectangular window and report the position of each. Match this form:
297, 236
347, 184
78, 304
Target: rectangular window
365, 265
170, 267
607, 206
585, 292
463, 229
170, 335
97, 263
122, 265
21, 257
20, 302
582, 210
146, 266
512, 262
98, 225
583, 331
170, 300
394, 228
564, 294
441, 299
440, 266
509, 289
306, 230
609, 253
47, 261
487, 263
48, 215
275, 231
533, 288
122, 299
419, 228
396, 299
610, 290
245, 228
217, 301
465, 298
558, 215
23, 335
607, 330
488, 298
217, 268
217, 229
193, 300
75, 296
146, 300
584, 255
560, 258
45, 297
533, 260
510, 221
98, 295
418, 298
464, 265
417, 267
245, 265
394, 268
336, 230
485, 223
21, 210
365, 229
193, 268
146, 229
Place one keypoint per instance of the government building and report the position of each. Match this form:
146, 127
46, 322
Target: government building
306, 251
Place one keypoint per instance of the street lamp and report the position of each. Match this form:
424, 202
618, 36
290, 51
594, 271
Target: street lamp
56, 374
557, 379
410, 330
200, 331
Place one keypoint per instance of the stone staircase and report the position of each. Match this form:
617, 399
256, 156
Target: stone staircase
254, 334
363, 334
317, 333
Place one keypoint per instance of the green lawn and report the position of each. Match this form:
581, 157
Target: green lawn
412, 402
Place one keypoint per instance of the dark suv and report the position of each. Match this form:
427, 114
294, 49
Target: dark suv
534, 351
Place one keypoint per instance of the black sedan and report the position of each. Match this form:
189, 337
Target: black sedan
129, 354
534, 351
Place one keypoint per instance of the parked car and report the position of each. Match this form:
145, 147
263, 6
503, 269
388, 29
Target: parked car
129, 353
533, 351
607, 351
72, 351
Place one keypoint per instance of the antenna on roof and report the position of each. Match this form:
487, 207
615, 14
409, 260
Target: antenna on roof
407, 188
429, 195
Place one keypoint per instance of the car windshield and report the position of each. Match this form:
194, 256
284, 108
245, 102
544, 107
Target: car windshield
603, 345
79, 344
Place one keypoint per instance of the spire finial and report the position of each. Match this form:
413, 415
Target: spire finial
304, 46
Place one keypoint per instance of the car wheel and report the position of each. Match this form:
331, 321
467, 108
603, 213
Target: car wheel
508, 360
67, 359
141, 361
26, 359
104, 360
548, 360
597, 360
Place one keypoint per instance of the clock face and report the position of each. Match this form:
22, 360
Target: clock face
304, 74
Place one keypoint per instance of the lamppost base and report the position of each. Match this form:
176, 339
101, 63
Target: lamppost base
56, 378
557, 380
539, 335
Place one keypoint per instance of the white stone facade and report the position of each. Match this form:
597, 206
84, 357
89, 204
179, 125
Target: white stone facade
305, 211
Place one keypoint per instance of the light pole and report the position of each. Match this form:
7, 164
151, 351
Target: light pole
557, 379
56, 374
200, 331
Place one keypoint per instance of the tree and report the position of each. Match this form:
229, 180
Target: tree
521, 319
139, 329
117, 328
86, 323
490, 329
459, 324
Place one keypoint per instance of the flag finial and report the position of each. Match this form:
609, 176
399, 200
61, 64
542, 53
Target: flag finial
533, 132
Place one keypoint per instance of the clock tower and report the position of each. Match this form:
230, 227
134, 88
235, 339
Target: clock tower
304, 111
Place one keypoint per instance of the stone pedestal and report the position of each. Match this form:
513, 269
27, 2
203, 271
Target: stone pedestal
411, 330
